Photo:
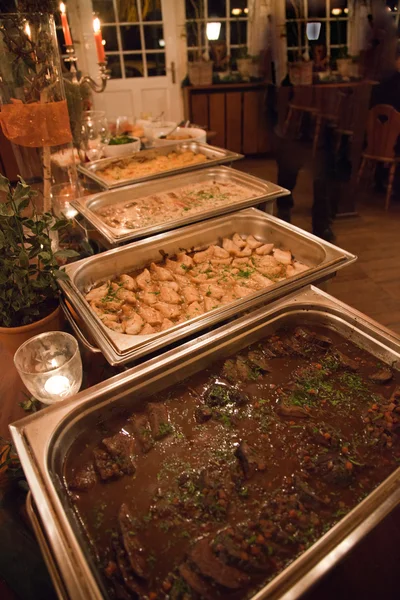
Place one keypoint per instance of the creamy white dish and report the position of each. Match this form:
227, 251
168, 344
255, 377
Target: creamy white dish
143, 166
168, 206
190, 284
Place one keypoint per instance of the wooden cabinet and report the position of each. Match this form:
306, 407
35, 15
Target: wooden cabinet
235, 111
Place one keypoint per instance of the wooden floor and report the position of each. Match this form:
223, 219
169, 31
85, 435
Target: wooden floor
372, 284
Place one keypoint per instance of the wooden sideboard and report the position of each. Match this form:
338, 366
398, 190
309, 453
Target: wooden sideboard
235, 111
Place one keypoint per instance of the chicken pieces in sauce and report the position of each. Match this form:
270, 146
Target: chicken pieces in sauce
189, 284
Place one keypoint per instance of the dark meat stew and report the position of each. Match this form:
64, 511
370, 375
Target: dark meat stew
222, 480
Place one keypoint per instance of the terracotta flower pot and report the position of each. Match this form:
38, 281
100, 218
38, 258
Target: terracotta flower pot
12, 337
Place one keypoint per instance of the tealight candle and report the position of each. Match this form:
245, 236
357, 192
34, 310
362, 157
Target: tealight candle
50, 366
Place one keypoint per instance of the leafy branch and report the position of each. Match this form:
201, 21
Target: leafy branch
29, 267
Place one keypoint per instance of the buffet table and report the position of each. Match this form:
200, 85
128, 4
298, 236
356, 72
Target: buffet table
227, 279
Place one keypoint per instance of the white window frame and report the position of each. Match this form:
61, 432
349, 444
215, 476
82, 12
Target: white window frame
327, 20
142, 53
228, 20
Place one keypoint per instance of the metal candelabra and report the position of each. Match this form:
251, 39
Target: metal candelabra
96, 87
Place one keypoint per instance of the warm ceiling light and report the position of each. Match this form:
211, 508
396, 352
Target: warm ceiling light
245, 10
213, 30
96, 25
313, 30
161, 43
336, 12
63, 9
236, 11
346, 11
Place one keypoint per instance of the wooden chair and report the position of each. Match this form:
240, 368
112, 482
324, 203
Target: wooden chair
383, 131
346, 115
303, 102
327, 103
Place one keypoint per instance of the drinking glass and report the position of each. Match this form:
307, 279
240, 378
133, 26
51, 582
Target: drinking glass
95, 134
50, 366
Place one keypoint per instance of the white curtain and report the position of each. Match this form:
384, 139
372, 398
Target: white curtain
358, 26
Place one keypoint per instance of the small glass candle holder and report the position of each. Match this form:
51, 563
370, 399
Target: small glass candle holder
50, 366
61, 196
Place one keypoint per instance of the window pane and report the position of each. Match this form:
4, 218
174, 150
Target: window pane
110, 36
294, 9
105, 10
238, 32
195, 33
155, 64
194, 9
317, 8
133, 65
153, 35
115, 67
341, 4
339, 32
239, 8
216, 8
293, 30
127, 11
130, 36
151, 10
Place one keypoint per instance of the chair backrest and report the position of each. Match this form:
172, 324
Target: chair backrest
303, 97
383, 130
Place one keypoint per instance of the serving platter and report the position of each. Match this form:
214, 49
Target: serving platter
215, 156
43, 440
259, 191
322, 258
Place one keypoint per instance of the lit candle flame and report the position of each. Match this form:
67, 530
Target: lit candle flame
63, 9
58, 385
96, 24
27, 30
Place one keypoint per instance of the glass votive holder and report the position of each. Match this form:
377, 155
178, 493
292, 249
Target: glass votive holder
50, 366
61, 195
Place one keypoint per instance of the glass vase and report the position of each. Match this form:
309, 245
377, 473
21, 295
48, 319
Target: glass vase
34, 114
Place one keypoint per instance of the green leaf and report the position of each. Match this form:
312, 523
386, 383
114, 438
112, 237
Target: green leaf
46, 256
60, 224
21, 193
23, 259
66, 253
61, 275
4, 184
5, 210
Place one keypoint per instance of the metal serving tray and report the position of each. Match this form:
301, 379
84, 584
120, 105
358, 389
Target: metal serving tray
118, 348
44, 439
215, 156
259, 191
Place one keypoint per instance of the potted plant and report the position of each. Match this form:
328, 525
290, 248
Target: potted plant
344, 62
244, 63
29, 268
200, 71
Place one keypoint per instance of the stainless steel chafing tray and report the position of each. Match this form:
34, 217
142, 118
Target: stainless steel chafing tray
322, 258
43, 440
259, 191
214, 155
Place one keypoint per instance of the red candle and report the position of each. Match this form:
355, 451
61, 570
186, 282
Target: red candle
65, 26
101, 56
